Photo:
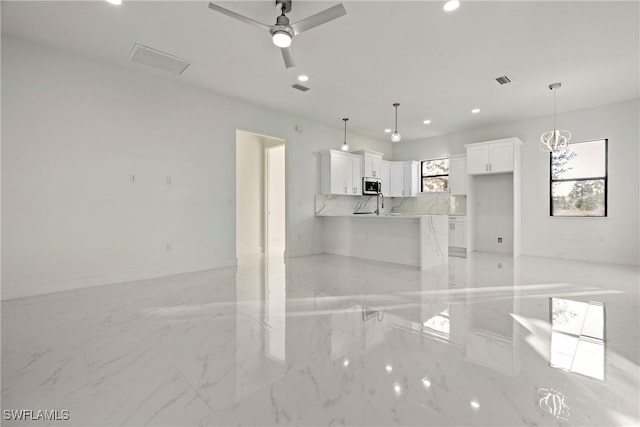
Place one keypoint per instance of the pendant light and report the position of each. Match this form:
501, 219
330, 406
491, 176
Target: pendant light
395, 136
345, 146
555, 140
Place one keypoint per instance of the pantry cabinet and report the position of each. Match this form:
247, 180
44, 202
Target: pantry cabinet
341, 173
490, 157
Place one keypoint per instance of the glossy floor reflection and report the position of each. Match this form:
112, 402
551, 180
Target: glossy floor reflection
331, 340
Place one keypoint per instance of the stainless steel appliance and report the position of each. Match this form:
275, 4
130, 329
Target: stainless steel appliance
371, 186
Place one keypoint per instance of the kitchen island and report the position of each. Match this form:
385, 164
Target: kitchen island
410, 239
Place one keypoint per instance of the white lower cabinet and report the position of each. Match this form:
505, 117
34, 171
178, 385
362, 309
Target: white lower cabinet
457, 232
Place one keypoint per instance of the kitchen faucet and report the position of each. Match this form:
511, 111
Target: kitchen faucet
378, 196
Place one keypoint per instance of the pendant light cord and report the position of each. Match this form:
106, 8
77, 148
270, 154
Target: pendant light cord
554, 111
345, 130
396, 118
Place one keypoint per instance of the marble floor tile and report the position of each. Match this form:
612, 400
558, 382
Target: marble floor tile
329, 340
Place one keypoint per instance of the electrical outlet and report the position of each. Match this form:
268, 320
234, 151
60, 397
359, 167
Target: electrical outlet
499, 239
167, 247
168, 180
132, 178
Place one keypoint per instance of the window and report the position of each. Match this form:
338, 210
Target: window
579, 180
435, 175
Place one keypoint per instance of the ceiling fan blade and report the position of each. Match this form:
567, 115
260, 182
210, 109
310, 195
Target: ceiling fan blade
287, 55
237, 16
319, 18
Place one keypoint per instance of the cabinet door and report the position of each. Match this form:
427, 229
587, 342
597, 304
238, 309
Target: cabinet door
356, 176
457, 175
367, 172
458, 234
501, 157
410, 179
477, 160
376, 166
396, 179
339, 165
384, 167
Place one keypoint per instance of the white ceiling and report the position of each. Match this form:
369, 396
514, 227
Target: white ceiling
437, 65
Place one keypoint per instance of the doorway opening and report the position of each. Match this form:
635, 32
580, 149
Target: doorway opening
260, 195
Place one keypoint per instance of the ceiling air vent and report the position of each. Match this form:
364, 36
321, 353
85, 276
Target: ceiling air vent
503, 80
300, 87
158, 59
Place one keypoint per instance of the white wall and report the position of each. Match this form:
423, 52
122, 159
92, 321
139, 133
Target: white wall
73, 131
249, 193
612, 239
493, 212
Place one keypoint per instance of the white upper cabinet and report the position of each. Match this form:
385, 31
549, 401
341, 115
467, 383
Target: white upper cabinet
385, 177
491, 156
396, 179
403, 179
457, 175
340, 173
372, 166
356, 175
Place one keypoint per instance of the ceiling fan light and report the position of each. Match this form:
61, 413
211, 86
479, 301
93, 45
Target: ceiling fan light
451, 5
281, 39
396, 137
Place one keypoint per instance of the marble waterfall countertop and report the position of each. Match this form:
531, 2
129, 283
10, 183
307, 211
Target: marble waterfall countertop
381, 216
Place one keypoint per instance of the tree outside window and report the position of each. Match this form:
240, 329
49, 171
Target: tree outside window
435, 175
579, 180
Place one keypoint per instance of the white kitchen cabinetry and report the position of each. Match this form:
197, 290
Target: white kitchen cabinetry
403, 179
457, 232
385, 166
490, 157
372, 165
341, 173
457, 175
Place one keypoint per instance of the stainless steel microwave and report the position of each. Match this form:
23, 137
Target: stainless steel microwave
371, 186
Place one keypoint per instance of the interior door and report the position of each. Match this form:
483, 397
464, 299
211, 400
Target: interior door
275, 199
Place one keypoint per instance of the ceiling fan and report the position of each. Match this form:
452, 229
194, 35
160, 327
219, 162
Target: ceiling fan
282, 32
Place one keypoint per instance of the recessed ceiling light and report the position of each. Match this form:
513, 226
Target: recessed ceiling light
388, 368
475, 110
116, 2
451, 5
387, 130
474, 404
303, 78
427, 122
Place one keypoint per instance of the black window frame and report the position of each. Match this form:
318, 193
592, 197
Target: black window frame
434, 176
605, 178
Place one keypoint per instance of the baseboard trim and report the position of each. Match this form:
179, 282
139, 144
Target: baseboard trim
24, 290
